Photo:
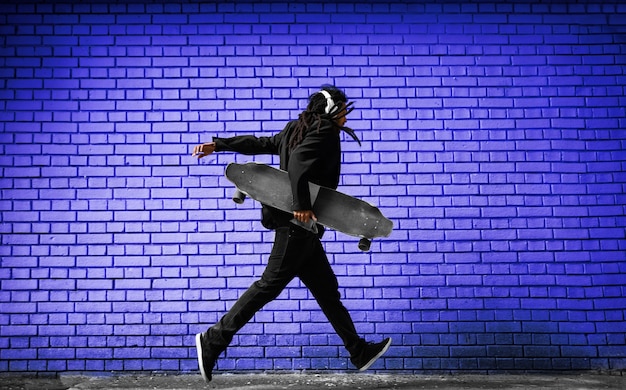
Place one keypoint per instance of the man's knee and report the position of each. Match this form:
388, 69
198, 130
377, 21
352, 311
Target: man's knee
269, 287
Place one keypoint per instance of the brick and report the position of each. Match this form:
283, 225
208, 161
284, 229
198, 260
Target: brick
500, 164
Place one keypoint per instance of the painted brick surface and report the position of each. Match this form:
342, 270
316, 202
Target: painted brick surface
494, 137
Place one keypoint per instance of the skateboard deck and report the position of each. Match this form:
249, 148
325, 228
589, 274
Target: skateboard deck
338, 211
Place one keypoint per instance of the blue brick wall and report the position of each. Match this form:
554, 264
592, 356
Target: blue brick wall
494, 137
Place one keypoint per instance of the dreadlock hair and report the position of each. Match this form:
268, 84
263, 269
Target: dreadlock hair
318, 109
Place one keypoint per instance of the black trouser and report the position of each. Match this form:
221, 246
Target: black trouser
296, 252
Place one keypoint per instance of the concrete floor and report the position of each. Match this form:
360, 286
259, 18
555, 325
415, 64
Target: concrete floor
319, 381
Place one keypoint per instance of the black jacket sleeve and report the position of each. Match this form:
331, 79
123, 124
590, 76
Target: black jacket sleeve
316, 160
248, 144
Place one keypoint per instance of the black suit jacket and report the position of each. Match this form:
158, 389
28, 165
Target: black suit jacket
316, 159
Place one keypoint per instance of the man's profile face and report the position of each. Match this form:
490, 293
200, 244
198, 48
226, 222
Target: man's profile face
341, 121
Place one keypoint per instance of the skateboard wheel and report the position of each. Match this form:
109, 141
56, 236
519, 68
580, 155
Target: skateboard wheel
364, 244
239, 197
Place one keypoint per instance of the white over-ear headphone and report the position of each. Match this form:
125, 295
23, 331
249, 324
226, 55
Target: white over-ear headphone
329, 101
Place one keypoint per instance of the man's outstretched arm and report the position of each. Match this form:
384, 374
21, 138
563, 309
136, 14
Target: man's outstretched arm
245, 144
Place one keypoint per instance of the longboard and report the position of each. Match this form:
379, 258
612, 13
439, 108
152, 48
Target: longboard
333, 209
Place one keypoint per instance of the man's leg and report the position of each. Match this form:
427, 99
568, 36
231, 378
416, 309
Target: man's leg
279, 272
319, 277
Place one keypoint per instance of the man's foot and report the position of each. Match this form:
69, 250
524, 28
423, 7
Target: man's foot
206, 357
370, 353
